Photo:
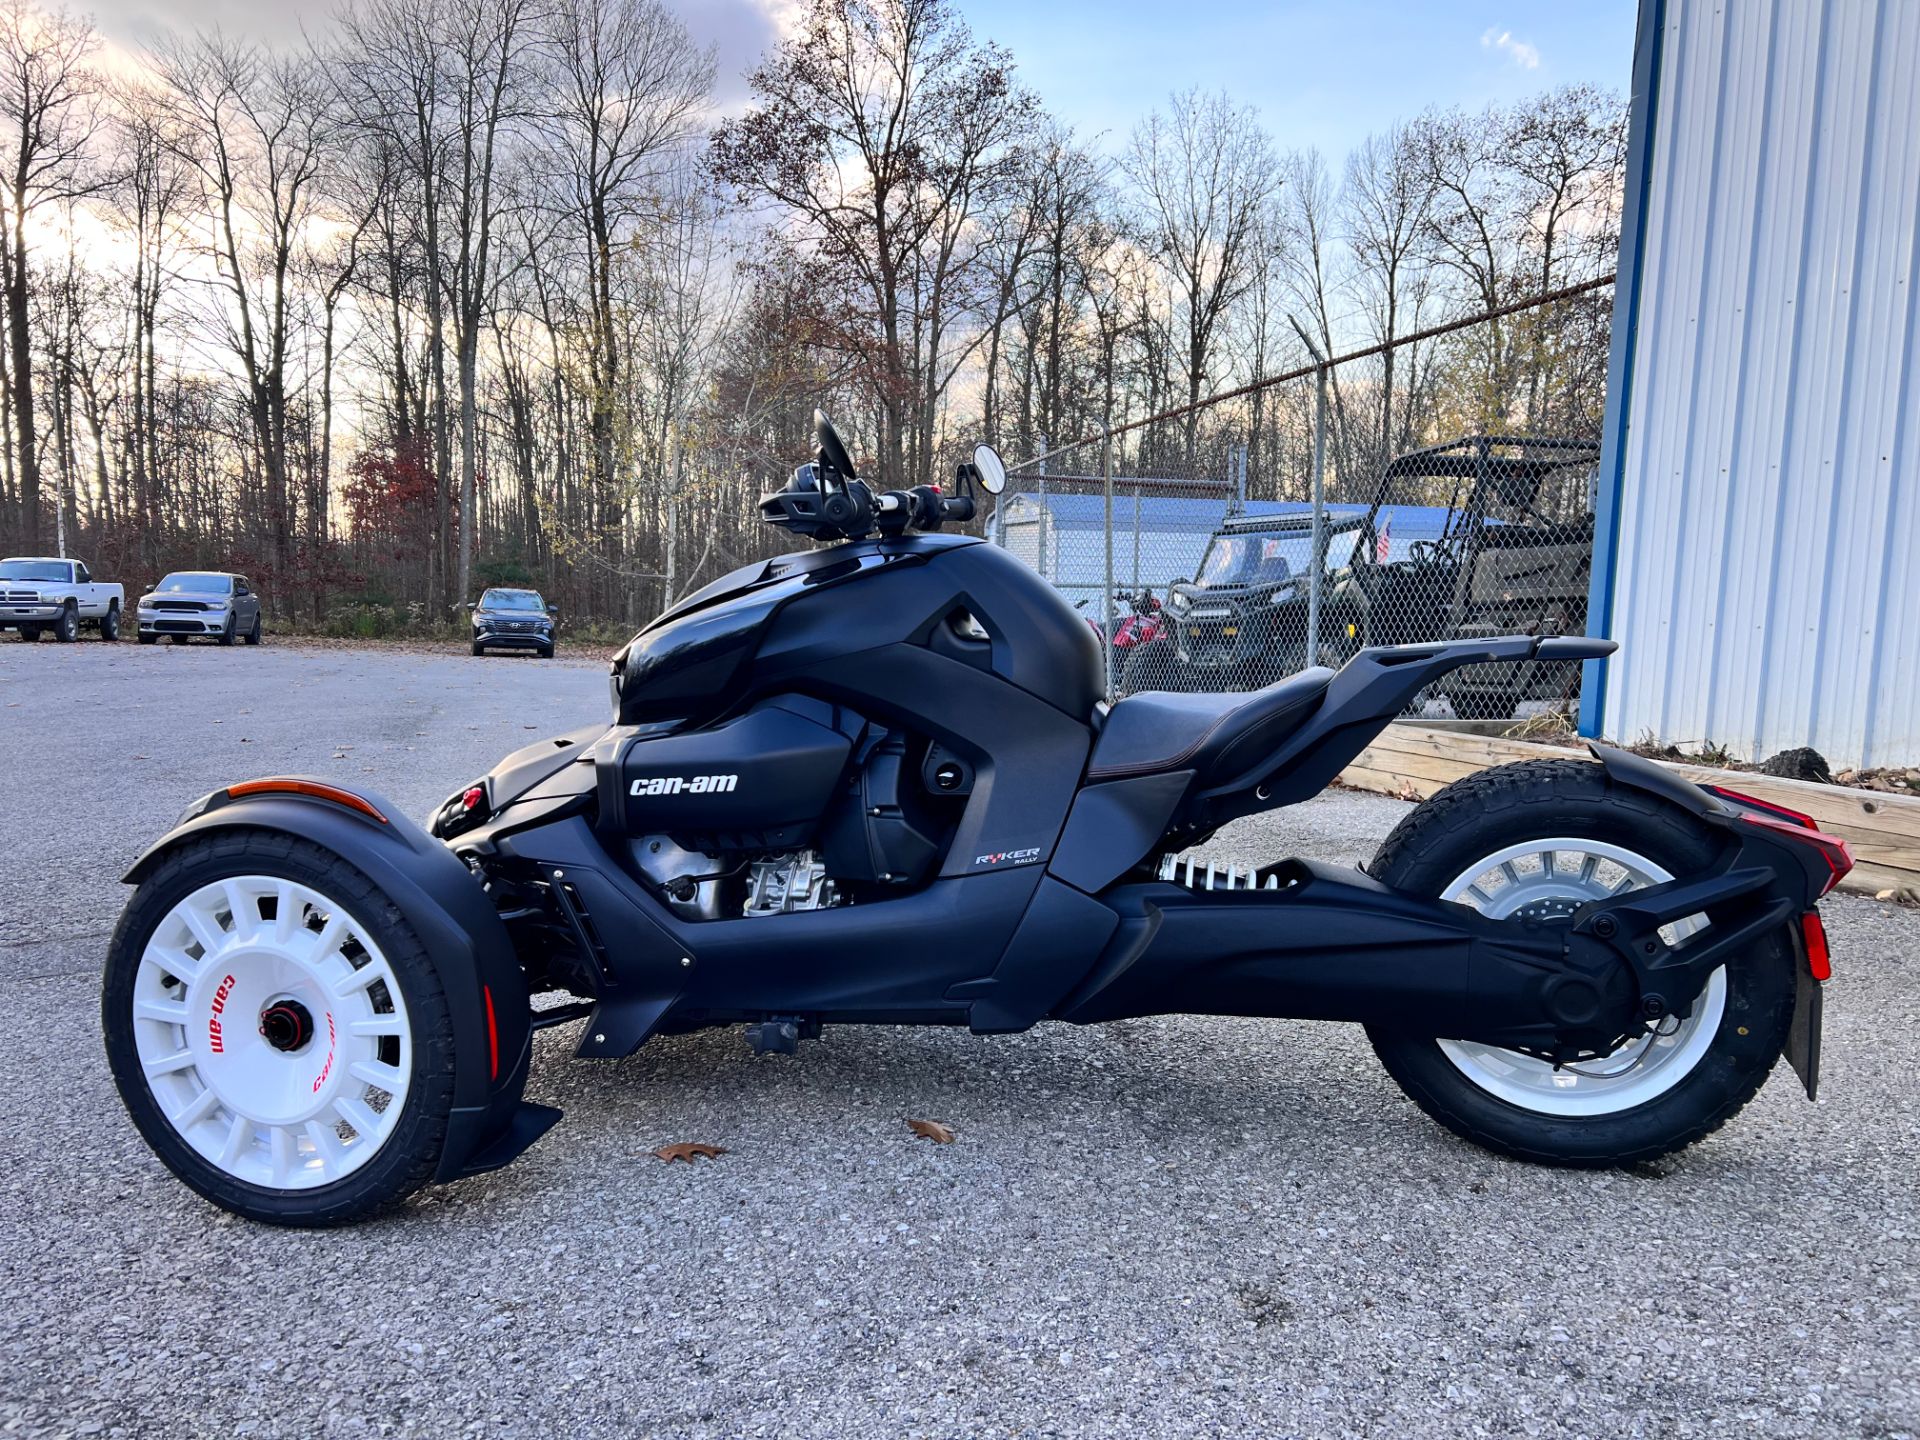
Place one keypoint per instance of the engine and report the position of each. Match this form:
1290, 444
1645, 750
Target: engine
796, 805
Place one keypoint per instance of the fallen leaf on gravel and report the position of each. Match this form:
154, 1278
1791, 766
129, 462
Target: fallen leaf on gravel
931, 1130
687, 1152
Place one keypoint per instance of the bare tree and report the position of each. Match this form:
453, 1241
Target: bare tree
629, 87
49, 114
1384, 205
883, 132
1205, 173
255, 127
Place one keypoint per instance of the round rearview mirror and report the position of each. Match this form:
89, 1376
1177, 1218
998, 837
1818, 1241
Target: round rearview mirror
993, 474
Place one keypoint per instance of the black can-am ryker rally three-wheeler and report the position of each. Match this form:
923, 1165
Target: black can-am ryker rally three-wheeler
876, 782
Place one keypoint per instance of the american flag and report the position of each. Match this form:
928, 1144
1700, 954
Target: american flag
1383, 544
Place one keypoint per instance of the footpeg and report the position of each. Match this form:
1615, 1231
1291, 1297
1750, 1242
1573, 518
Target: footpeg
774, 1037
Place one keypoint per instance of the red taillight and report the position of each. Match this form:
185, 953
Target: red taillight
1819, 962
1794, 826
311, 788
493, 1035
472, 798
1804, 821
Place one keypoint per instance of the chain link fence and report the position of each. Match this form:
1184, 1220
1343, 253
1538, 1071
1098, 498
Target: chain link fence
1439, 487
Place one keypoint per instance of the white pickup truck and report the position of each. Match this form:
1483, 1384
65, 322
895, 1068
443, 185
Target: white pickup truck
46, 594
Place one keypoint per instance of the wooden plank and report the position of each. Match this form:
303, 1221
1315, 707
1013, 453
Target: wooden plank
1882, 830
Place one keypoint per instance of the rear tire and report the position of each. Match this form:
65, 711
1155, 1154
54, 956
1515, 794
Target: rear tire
230, 1123
110, 624
253, 635
1646, 1100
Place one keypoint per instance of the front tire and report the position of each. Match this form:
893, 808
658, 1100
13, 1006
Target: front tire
1537, 839
477, 648
67, 628
277, 1032
227, 633
149, 639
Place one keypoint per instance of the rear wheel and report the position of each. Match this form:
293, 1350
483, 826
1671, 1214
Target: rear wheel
277, 1032
110, 624
253, 632
1535, 841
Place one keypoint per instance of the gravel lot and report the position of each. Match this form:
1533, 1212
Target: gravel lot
1170, 1227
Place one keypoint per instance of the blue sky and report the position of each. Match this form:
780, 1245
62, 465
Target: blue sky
1321, 74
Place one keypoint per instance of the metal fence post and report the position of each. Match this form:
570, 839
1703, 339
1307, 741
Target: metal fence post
1045, 528
1317, 555
1106, 586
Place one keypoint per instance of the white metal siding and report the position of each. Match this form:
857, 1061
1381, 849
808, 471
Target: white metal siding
1767, 580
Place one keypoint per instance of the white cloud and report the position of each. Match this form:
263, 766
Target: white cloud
1520, 52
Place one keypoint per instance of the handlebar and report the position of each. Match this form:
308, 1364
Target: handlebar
826, 500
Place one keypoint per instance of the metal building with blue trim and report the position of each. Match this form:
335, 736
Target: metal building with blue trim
1758, 522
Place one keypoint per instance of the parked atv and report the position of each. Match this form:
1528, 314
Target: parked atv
1242, 621
1512, 553
1140, 625
875, 782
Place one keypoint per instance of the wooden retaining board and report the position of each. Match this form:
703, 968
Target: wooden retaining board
1882, 830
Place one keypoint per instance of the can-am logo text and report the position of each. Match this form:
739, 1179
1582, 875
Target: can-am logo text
216, 1039
685, 785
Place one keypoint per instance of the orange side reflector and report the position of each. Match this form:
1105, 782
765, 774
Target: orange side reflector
313, 788
1819, 963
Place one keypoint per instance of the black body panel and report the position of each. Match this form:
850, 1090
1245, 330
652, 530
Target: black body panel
767, 775
746, 635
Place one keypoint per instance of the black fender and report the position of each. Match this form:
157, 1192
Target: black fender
464, 938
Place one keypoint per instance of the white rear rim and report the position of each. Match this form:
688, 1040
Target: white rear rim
1547, 879
218, 1002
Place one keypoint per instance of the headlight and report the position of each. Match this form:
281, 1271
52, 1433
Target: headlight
145, 602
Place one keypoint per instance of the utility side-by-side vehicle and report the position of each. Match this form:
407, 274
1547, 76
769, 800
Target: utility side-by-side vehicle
876, 782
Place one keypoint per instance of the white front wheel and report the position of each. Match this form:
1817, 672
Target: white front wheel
277, 1031
272, 1031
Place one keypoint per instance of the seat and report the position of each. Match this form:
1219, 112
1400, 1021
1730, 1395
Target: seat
1217, 736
